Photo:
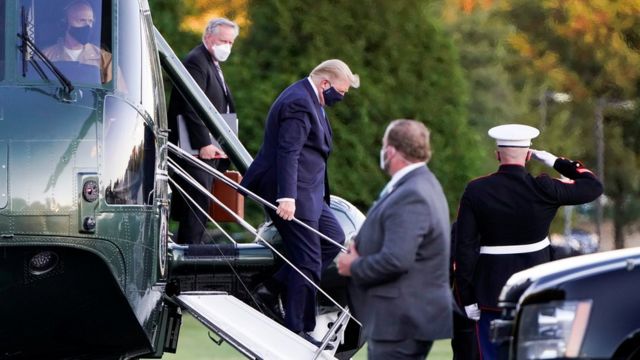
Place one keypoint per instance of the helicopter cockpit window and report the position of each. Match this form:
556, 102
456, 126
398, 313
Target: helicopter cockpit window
129, 155
2, 41
130, 47
75, 35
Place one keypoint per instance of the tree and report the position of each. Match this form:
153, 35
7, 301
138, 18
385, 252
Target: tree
497, 96
408, 69
204, 10
589, 49
168, 16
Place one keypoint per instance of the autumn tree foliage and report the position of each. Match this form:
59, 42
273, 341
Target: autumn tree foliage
590, 49
408, 68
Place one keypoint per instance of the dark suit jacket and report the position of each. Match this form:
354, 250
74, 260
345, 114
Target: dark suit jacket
511, 207
399, 287
199, 63
292, 162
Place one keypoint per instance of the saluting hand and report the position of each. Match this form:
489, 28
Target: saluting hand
346, 259
544, 157
286, 209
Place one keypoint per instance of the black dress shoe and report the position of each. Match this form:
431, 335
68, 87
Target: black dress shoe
269, 303
315, 342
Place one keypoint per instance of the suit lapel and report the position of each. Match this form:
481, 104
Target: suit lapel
328, 134
213, 69
320, 114
212, 73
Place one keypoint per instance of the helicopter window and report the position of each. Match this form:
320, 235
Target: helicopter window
148, 92
129, 155
129, 57
74, 34
2, 41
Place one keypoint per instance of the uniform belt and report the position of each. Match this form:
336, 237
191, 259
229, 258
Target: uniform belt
515, 249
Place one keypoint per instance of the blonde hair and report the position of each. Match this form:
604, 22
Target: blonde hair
335, 69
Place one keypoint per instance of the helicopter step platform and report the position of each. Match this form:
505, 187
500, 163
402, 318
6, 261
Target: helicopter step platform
253, 334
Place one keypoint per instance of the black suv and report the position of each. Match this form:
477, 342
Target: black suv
584, 307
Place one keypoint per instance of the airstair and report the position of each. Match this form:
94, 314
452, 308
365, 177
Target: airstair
249, 331
253, 334
246, 329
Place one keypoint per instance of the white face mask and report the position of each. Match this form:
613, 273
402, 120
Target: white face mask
221, 52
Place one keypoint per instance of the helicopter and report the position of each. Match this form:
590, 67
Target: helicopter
88, 269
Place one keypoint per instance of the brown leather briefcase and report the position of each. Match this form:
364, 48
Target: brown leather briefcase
228, 196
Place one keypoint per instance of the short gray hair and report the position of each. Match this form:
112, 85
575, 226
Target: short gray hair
336, 69
213, 25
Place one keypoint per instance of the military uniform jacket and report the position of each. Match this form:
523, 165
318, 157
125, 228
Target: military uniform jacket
511, 207
90, 55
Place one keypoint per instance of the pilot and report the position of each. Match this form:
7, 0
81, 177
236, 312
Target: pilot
503, 222
75, 45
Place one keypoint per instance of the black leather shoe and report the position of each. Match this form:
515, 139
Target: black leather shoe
315, 342
268, 303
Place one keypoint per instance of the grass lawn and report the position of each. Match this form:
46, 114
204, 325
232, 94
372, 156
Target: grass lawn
194, 344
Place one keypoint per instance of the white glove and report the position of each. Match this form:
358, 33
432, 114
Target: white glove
473, 312
544, 157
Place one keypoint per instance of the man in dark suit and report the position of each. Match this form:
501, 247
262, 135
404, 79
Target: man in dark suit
203, 63
399, 262
291, 169
503, 222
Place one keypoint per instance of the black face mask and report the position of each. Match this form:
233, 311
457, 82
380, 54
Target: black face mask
81, 34
331, 96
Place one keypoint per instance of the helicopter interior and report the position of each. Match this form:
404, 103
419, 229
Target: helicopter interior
46, 22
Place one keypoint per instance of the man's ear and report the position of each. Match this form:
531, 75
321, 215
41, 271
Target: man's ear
529, 155
498, 155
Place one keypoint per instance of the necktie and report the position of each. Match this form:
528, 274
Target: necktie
224, 84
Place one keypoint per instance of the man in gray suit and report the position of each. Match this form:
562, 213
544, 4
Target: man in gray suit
399, 264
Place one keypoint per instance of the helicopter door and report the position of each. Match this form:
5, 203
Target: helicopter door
246, 329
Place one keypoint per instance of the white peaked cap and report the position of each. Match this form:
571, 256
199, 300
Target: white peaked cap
513, 135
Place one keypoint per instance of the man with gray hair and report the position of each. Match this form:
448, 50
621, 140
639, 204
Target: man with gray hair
291, 170
203, 63
398, 264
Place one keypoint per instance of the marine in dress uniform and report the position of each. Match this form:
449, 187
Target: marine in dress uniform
503, 222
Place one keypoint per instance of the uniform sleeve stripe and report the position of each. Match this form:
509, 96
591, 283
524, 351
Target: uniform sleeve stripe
583, 170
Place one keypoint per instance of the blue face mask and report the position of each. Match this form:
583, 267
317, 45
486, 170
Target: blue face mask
331, 96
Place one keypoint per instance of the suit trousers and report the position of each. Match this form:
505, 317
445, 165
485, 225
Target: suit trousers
410, 349
311, 254
193, 222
